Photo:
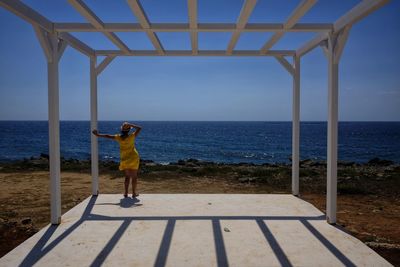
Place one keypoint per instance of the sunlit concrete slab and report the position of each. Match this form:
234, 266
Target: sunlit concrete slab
193, 230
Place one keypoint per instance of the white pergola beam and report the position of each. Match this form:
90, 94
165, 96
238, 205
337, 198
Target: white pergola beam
310, 45
249, 53
358, 12
77, 44
185, 27
340, 42
88, 14
137, 9
25, 12
244, 16
104, 64
289, 67
300, 11
192, 11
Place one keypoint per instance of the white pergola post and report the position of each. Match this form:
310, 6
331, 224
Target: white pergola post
53, 49
294, 70
332, 134
333, 51
95, 71
93, 126
296, 127
54, 132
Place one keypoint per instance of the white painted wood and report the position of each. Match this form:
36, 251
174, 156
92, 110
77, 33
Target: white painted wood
77, 44
85, 11
340, 43
364, 8
192, 11
299, 12
62, 45
184, 27
54, 133
296, 127
104, 64
93, 125
333, 72
137, 9
244, 16
285, 64
44, 42
25, 12
250, 53
310, 45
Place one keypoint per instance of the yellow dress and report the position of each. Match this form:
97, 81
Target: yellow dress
128, 153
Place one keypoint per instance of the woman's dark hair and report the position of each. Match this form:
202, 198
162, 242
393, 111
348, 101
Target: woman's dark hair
124, 133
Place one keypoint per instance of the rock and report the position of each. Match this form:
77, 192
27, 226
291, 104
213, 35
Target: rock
380, 162
181, 162
26, 221
43, 155
247, 179
226, 229
346, 163
306, 162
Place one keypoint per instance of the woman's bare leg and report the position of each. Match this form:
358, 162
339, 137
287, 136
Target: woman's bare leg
134, 183
127, 180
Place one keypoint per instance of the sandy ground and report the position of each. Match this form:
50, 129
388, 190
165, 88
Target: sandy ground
24, 198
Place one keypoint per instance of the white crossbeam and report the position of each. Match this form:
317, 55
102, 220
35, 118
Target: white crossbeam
248, 53
77, 44
137, 9
194, 27
358, 12
25, 12
244, 16
300, 11
310, 45
85, 11
192, 11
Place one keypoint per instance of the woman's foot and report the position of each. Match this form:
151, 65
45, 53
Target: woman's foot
135, 195
125, 195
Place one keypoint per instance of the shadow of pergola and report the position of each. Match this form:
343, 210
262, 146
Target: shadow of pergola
40, 249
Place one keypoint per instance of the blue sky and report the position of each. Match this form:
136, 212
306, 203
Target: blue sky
220, 88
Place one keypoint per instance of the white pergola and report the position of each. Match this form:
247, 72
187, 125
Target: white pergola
54, 38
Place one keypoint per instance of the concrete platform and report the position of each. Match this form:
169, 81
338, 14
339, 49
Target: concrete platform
193, 230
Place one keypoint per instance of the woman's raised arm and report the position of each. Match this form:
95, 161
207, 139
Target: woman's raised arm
136, 127
109, 136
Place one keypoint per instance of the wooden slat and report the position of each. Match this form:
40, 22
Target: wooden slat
77, 44
244, 16
358, 12
185, 27
85, 11
25, 12
300, 11
192, 10
311, 44
252, 53
137, 9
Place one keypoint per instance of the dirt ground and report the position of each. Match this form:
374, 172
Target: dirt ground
24, 203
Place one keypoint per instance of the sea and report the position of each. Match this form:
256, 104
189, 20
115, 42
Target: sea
225, 142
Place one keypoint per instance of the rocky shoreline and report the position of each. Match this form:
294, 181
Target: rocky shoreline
368, 193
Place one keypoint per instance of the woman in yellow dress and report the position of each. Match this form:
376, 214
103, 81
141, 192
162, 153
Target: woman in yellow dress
129, 157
